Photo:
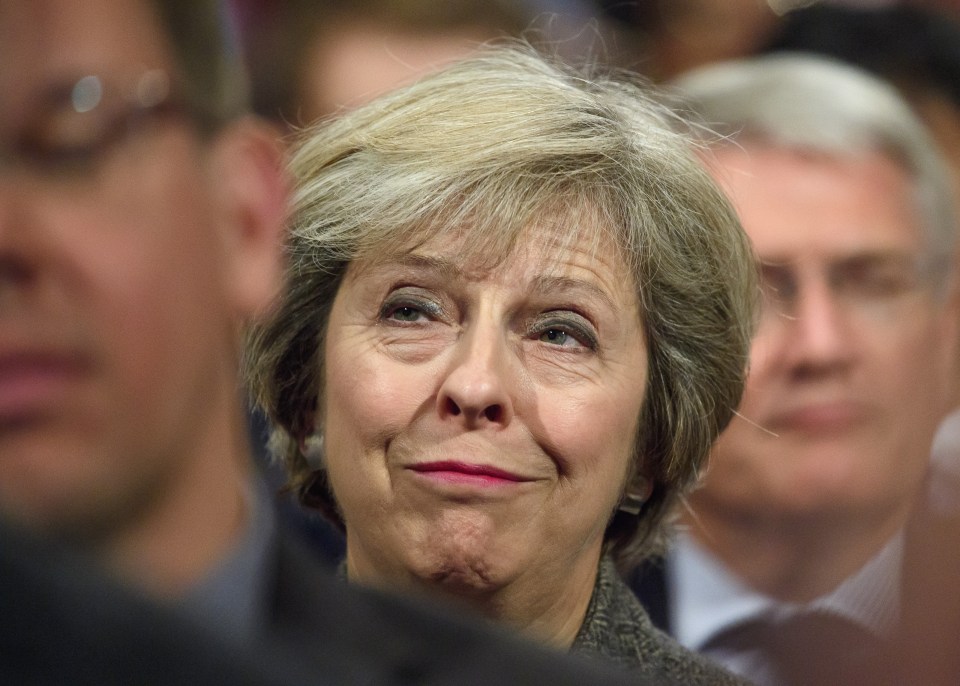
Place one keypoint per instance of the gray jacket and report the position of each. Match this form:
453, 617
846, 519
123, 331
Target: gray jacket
617, 628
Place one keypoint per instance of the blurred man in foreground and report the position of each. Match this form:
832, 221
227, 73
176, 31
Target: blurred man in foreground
140, 230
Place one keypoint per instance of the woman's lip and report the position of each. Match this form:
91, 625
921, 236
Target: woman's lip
450, 470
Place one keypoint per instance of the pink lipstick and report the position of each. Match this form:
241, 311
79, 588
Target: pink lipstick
459, 472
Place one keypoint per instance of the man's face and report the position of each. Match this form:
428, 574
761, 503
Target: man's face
113, 325
848, 371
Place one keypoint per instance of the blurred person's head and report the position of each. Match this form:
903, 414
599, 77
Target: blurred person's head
139, 233
849, 208
517, 318
311, 58
673, 36
916, 48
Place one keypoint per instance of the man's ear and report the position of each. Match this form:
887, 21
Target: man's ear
951, 332
253, 187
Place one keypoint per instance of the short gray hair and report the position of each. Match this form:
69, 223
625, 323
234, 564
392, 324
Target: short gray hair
820, 105
487, 147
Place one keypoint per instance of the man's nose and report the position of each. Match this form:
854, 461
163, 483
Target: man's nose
18, 249
477, 387
819, 334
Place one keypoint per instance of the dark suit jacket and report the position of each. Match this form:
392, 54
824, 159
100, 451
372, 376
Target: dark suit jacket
62, 622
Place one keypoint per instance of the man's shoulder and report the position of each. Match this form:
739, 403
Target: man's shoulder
930, 592
65, 621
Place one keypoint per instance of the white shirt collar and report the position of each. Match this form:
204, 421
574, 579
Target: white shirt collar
232, 597
706, 597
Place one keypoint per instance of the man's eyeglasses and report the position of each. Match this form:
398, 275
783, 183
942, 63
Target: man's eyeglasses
862, 284
77, 126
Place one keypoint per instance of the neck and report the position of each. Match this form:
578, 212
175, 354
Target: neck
550, 613
792, 558
181, 533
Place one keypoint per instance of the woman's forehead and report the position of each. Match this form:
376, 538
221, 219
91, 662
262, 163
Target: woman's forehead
544, 250
554, 236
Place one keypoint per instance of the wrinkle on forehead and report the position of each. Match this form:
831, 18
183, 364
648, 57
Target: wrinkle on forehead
556, 235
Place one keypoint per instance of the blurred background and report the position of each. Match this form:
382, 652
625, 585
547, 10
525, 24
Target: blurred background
314, 56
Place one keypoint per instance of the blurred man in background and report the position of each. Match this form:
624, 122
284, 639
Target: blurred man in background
796, 550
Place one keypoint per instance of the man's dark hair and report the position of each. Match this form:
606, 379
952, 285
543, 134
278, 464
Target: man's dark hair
278, 42
200, 33
917, 49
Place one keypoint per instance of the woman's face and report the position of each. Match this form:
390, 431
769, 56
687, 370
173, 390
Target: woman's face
479, 422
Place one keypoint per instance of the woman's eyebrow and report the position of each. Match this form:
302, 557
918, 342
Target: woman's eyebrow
413, 264
433, 263
447, 269
567, 284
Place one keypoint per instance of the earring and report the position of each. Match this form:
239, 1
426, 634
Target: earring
311, 448
632, 502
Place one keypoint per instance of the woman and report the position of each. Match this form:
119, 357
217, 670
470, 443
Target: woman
517, 317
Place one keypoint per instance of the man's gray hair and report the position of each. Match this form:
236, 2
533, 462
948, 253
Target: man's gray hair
823, 106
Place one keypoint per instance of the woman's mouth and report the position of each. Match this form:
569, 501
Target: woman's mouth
451, 471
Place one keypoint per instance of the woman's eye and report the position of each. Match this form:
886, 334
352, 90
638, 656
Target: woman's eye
557, 337
409, 308
405, 313
572, 334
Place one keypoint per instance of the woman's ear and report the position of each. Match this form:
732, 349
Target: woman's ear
311, 449
636, 494
253, 187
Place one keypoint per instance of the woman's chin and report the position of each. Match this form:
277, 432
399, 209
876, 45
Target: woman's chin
457, 552
461, 572
467, 579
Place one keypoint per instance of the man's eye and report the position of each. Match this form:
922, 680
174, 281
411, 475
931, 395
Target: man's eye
68, 141
778, 284
876, 281
61, 157
880, 284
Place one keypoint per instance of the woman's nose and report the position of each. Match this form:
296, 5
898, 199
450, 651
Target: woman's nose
476, 388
